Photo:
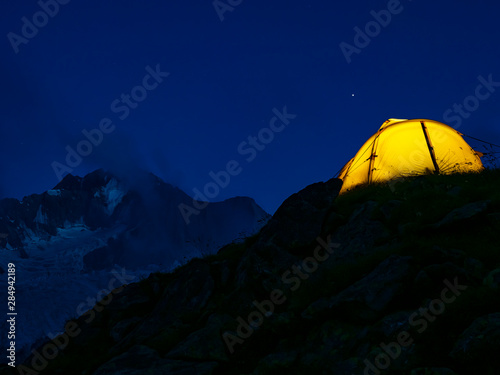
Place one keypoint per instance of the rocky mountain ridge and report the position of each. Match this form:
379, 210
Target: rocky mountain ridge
70, 242
388, 279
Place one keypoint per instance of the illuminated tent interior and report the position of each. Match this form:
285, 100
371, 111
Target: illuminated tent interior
404, 148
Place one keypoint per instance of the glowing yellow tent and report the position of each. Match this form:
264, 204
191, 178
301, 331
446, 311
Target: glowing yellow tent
403, 148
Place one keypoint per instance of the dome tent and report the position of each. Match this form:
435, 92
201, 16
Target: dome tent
403, 148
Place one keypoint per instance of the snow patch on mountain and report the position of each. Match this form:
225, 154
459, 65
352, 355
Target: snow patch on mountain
112, 194
41, 218
50, 284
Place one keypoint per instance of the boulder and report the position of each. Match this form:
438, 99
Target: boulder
329, 345
479, 343
389, 208
142, 360
205, 344
432, 371
462, 213
122, 328
275, 362
299, 219
493, 279
360, 234
429, 281
369, 297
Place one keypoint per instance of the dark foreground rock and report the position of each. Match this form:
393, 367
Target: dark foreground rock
400, 293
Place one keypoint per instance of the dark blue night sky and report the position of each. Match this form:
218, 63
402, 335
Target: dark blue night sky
227, 81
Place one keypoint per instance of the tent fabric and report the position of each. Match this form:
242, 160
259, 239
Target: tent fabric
404, 148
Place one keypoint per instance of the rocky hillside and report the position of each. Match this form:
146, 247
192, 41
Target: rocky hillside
392, 279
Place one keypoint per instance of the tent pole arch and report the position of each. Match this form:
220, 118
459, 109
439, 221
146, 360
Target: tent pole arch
429, 146
373, 155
